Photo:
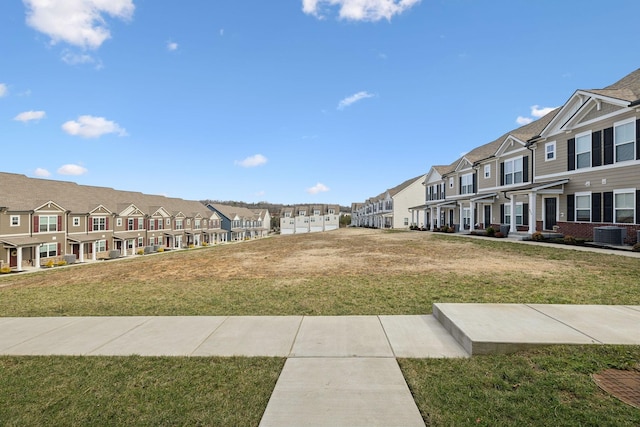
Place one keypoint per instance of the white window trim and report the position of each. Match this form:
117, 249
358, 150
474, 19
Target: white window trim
513, 160
575, 208
580, 135
450, 182
11, 221
633, 205
467, 187
555, 152
633, 140
119, 222
487, 171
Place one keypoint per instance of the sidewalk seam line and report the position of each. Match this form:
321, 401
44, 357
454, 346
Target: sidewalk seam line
563, 323
209, 336
148, 319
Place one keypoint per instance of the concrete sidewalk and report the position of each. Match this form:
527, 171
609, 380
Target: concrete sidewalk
340, 370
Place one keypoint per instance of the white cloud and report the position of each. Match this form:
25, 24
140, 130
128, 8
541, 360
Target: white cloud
92, 127
252, 161
77, 22
359, 10
27, 116
353, 99
43, 173
72, 170
3, 90
523, 120
171, 46
318, 188
536, 113
73, 58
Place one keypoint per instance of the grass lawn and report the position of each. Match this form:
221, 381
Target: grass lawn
347, 272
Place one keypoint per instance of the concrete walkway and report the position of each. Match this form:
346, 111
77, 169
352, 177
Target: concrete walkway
340, 370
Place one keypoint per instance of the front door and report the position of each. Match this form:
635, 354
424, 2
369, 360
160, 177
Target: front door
549, 213
487, 216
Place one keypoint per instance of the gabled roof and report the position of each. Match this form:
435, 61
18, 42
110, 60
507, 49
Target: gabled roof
626, 89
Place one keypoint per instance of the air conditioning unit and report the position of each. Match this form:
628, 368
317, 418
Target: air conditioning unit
609, 235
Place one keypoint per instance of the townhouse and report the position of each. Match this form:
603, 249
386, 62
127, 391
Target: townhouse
575, 171
392, 208
45, 221
309, 219
241, 223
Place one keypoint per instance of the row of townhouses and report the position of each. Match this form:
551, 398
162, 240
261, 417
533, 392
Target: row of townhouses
44, 220
575, 171
309, 219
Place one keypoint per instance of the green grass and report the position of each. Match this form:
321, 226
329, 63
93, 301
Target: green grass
545, 387
137, 391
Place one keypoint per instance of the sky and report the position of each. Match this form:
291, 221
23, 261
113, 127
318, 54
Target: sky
287, 101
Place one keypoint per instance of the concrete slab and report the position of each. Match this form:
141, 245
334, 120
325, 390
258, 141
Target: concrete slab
270, 336
420, 337
341, 336
503, 328
633, 307
80, 337
341, 392
607, 324
163, 336
17, 330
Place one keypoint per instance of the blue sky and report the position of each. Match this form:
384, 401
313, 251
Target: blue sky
288, 101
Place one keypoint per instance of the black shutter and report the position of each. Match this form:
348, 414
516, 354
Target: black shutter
571, 207
607, 204
596, 207
475, 182
525, 214
637, 151
571, 154
596, 148
502, 213
525, 169
502, 173
608, 146
460, 185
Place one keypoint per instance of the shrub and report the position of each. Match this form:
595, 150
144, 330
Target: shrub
49, 263
490, 231
205, 244
499, 235
5, 270
636, 247
191, 246
569, 240
61, 263
537, 236
140, 252
161, 249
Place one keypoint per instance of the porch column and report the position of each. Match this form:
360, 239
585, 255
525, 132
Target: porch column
81, 252
472, 212
19, 261
461, 217
93, 251
512, 219
438, 213
36, 263
532, 214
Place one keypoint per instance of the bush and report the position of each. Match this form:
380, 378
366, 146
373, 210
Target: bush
499, 235
569, 240
61, 263
49, 263
140, 252
191, 246
205, 244
491, 231
161, 249
636, 247
537, 236
5, 270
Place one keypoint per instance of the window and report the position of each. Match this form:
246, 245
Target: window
130, 224
487, 171
513, 171
623, 204
101, 245
302, 213
130, 243
48, 223
196, 224
15, 220
140, 224
316, 212
467, 184
160, 221
49, 250
99, 223
507, 214
550, 151
332, 211
178, 224
406, 222
287, 214
583, 207
583, 151
152, 224
168, 221
76, 221
119, 222
188, 221
624, 138
451, 182
140, 241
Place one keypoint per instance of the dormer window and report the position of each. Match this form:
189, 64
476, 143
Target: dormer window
583, 150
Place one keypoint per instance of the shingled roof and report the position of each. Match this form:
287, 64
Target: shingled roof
626, 89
